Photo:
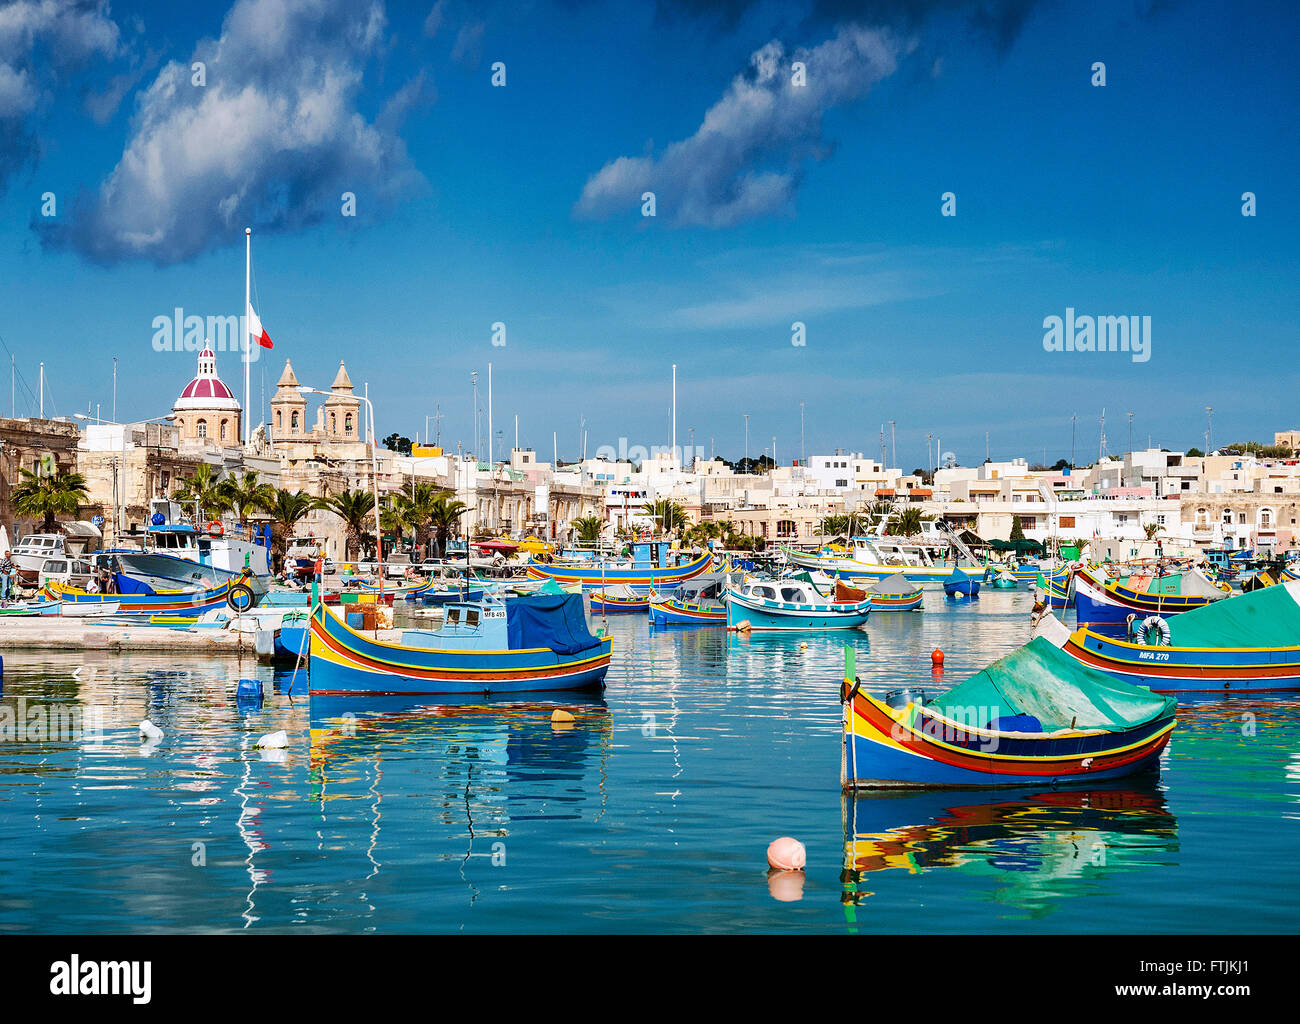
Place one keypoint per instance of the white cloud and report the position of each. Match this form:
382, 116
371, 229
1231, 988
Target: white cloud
272, 139
745, 158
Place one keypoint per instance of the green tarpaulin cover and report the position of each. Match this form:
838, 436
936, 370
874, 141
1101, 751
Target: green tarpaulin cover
1263, 618
1041, 680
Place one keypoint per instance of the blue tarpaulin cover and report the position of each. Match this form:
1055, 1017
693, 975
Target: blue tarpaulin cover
556, 621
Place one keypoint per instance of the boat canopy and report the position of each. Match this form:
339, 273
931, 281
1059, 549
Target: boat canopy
897, 584
1044, 682
1269, 617
556, 621
549, 587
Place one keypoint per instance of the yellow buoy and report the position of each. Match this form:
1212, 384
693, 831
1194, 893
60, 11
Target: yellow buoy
560, 715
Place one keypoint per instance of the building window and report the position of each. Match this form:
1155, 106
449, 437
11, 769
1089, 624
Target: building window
1227, 517
279, 420
202, 428
334, 423
1266, 518
1067, 522
347, 423
223, 429
293, 421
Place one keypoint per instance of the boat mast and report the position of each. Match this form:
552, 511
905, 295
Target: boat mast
248, 324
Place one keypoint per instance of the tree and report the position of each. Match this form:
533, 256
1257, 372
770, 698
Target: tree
1017, 533
908, 522
1151, 529
668, 515
203, 486
395, 442
445, 511
1195, 453
287, 509
355, 508
589, 528
247, 494
59, 494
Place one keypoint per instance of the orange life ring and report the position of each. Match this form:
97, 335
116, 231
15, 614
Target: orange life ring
215, 528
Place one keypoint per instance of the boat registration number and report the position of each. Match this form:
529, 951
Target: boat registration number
1153, 656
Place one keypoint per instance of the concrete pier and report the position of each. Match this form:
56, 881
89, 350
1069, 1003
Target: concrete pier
52, 633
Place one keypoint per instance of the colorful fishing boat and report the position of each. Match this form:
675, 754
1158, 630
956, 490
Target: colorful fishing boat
26, 609
1099, 600
176, 602
1035, 716
597, 576
1247, 644
1056, 589
523, 645
790, 604
697, 602
618, 598
894, 594
1003, 581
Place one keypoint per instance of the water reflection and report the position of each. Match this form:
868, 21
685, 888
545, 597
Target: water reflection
1036, 845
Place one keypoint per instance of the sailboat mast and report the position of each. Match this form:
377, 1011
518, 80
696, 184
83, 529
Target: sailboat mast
248, 264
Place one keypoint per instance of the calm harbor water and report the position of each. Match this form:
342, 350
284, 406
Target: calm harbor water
650, 814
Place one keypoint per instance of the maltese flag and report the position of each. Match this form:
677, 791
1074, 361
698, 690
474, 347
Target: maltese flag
257, 331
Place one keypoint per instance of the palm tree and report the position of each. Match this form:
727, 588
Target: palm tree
59, 494
907, 523
667, 514
445, 511
287, 509
1151, 529
205, 487
420, 508
589, 528
247, 495
354, 508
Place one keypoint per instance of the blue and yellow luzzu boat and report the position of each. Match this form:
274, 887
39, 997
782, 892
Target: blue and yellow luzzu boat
1035, 716
188, 604
1056, 589
1247, 644
524, 645
618, 598
697, 602
1102, 601
595, 576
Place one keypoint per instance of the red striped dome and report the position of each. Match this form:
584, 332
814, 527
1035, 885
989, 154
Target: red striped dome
206, 387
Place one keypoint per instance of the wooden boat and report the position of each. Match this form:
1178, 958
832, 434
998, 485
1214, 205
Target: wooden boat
595, 576
185, 603
1004, 581
1056, 589
1102, 601
790, 604
1247, 644
697, 602
619, 598
26, 609
962, 585
447, 593
523, 645
894, 594
1035, 716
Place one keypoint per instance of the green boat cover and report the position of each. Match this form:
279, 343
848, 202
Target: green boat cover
1268, 617
1041, 680
549, 587
1186, 584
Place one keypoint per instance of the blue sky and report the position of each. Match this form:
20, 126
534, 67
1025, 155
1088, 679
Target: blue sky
775, 204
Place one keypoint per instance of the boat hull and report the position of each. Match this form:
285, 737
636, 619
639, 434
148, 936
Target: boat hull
1189, 669
765, 614
934, 576
1111, 603
886, 603
344, 661
672, 612
599, 577
887, 748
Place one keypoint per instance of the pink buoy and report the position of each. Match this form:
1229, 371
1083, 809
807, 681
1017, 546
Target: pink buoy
786, 854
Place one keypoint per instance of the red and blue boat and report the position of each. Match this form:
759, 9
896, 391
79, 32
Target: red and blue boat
1100, 601
172, 603
523, 645
594, 576
618, 598
697, 602
1249, 643
1035, 716
1055, 589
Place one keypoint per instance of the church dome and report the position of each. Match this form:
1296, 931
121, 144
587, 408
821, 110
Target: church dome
206, 391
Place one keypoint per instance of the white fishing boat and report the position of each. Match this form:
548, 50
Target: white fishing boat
790, 604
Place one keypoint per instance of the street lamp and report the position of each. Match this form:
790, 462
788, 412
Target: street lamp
374, 484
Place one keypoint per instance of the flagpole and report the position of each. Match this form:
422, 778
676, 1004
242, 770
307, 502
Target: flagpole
248, 323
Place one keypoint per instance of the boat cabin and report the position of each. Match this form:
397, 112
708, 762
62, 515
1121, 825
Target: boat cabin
784, 591
466, 626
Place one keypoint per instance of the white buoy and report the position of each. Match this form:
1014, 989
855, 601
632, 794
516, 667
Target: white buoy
151, 731
274, 740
